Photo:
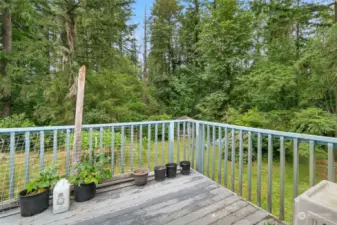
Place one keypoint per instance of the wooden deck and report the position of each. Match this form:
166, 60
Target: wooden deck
192, 199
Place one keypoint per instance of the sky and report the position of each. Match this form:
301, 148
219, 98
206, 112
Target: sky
138, 18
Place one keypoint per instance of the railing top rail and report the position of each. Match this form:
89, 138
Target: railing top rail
87, 126
308, 137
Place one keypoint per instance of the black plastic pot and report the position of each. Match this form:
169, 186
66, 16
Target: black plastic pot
159, 173
185, 167
31, 205
171, 170
84, 192
140, 176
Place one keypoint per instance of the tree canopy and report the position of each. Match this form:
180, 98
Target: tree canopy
269, 64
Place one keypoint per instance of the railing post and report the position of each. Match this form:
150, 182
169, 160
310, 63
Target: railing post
198, 147
171, 141
12, 165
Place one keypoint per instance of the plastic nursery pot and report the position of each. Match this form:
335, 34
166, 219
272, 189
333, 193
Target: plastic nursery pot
140, 176
185, 167
33, 204
159, 173
171, 170
84, 192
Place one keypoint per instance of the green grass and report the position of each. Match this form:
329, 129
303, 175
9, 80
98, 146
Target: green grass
303, 172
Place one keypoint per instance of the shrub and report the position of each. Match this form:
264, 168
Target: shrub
47, 179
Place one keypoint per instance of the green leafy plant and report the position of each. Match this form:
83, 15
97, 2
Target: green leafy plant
86, 173
47, 179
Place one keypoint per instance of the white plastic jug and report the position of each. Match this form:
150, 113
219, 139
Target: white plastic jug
61, 196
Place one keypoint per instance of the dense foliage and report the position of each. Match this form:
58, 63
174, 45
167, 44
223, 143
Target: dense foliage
87, 173
269, 64
46, 179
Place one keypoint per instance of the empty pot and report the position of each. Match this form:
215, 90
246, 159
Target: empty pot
171, 170
185, 167
140, 176
159, 173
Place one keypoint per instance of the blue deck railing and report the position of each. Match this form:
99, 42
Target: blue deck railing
260, 170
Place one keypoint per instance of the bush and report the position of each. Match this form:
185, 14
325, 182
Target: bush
314, 121
15, 120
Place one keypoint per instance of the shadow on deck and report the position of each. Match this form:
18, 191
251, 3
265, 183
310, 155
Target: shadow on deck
192, 199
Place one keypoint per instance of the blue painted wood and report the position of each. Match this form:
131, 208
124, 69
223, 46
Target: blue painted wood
219, 154
184, 144
274, 133
171, 142
156, 143
250, 166
112, 150
140, 145
286, 135
233, 160
193, 144
132, 148
55, 146
259, 168
101, 140
11, 165
270, 173
226, 158
27, 157
203, 148
295, 168
208, 149
87, 126
282, 180
163, 144
213, 153
41, 150
149, 147
122, 149
189, 141
240, 161
67, 153
90, 145
199, 148
331, 163
312, 164
178, 143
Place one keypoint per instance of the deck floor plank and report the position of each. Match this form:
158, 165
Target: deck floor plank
191, 200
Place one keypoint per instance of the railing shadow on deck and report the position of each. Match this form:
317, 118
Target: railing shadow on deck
269, 168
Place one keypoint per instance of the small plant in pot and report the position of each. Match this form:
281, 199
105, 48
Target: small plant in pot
35, 198
87, 176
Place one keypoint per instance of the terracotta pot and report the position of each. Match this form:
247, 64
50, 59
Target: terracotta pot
140, 176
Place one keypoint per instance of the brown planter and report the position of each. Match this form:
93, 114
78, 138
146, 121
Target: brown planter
140, 176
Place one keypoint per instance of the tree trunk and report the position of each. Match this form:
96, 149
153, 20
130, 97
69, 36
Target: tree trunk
335, 150
145, 71
7, 46
77, 151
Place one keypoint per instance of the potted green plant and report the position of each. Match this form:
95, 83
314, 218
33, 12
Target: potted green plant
35, 198
86, 176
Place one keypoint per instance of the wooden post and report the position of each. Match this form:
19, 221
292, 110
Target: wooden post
76, 158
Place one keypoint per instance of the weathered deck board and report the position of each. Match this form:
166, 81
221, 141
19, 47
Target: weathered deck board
192, 199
